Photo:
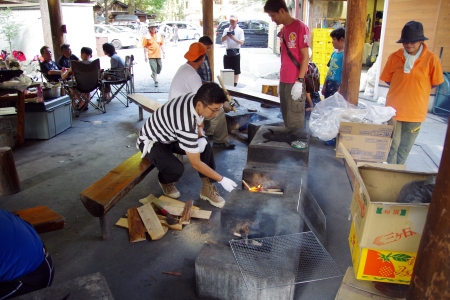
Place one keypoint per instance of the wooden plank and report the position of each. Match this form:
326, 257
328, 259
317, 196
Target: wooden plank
186, 214
253, 96
143, 101
136, 228
178, 226
174, 202
122, 222
151, 222
196, 214
42, 218
107, 191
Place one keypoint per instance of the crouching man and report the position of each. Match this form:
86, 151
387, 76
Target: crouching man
173, 128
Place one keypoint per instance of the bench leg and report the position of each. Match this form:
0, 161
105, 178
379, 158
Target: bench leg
105, 227
141, 115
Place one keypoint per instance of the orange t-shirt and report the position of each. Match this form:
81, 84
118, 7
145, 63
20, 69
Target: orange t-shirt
153, 44
409, 93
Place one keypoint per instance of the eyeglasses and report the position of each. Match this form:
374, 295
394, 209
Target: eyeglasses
214, 111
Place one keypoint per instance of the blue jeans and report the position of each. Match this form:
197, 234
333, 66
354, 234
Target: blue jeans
405, 134
331, 87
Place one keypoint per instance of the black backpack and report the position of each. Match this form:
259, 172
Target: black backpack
312, 78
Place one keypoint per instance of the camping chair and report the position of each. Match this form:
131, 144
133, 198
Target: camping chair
121, 82
86, 80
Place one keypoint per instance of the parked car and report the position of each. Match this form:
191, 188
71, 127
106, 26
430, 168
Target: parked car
256, 32
186, 30
115, 36
129, 30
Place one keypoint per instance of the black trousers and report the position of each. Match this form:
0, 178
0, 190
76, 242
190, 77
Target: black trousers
169, 166
40, 278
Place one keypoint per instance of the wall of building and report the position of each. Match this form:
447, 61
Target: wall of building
78, 19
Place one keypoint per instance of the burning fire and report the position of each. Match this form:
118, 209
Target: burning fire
257, 188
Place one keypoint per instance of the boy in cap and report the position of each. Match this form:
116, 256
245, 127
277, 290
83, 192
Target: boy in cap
67, 56
153, 45
410, 72
186, 79
233, 37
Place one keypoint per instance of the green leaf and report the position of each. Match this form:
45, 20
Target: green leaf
401, 257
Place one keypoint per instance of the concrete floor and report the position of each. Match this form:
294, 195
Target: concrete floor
54, 172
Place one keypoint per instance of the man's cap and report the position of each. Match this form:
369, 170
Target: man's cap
64, 46
153, 25
234, 17
195, 51
412, 32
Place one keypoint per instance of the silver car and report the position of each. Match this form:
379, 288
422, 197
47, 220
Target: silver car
117, 37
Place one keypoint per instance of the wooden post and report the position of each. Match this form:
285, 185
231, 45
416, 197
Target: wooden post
208, 29
355, 32
45, 18
56, 26
431, 274
9, 180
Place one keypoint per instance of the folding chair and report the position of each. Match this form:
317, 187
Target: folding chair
121, 82
86, 79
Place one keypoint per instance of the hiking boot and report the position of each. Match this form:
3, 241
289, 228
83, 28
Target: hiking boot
170, 190
210, 193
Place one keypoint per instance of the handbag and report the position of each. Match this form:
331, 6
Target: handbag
232, 52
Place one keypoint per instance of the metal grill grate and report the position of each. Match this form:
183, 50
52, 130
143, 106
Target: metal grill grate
283, 260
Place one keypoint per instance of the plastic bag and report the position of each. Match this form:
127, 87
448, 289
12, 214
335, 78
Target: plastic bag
417, 191
379, 114
326, 117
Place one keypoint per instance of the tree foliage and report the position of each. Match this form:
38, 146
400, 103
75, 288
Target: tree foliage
150, 6
9, 27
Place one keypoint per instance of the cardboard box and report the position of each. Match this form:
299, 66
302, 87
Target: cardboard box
366, 142
380, 265
354, 289
381, 222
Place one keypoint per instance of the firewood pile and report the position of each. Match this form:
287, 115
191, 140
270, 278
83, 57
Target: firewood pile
157, 215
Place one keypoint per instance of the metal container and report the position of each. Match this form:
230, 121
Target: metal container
51, 93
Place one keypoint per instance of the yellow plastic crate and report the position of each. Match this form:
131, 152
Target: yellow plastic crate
321, 33
318, 57
319, 47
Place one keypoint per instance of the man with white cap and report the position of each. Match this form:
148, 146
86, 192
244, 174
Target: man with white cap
153, 44
411, 72
233, 37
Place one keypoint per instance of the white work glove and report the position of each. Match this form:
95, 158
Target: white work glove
228, 184
202, 142
296, 91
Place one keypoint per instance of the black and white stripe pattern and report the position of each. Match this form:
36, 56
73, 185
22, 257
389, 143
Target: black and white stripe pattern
177, 121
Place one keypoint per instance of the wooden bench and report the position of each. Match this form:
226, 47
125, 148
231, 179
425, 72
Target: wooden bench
144, 103
101, 196
253, 96
42, 218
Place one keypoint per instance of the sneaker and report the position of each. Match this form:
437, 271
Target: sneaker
156, 83
210, 193
170, 190
226, 145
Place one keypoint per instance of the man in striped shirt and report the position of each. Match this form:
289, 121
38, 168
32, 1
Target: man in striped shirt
173, 128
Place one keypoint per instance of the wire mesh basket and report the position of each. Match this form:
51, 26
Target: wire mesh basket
283, 260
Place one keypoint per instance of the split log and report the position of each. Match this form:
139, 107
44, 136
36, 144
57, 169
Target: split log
136, 228
196, 214
122, 222
186, 214
151, 222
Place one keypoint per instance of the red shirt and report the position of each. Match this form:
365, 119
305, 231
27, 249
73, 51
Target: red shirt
296, 36
376, 33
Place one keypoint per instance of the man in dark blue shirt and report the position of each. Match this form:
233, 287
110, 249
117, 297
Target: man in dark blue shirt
50, 70
64, 60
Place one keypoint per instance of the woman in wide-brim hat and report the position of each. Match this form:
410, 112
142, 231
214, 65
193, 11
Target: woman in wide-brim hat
410, 72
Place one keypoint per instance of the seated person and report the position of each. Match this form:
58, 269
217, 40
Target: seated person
116, 70
25, 264
86, 55
51, 71
67, 56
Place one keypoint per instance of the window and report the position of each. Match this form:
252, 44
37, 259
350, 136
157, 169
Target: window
243, 25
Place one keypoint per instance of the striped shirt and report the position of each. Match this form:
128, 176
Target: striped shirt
175, 121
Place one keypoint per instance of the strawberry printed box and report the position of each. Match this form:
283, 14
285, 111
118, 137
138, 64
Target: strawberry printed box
380, 265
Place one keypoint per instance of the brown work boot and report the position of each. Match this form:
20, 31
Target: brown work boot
210, 193
170, 190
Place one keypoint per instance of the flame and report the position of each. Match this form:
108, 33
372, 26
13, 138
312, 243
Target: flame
257, 188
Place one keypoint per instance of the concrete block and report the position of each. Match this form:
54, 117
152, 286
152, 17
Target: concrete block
271, 144
218, 276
